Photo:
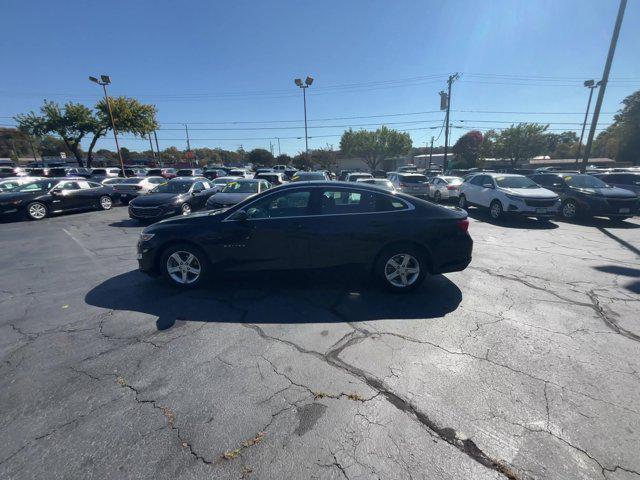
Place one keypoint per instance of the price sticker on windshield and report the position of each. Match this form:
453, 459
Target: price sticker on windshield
568, 178
499, 178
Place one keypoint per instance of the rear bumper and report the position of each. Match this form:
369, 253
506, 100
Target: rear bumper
454, 256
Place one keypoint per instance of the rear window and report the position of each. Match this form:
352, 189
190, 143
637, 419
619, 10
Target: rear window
184, 173
345, 201
413, 178
99, 171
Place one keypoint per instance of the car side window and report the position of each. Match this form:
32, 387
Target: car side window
70, 186
346, 201
289, 204
84, 185
387, 203
197, 186
477, 180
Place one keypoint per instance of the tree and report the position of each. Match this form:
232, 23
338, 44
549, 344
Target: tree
129, 116
283, 159
467, 149
301, 162
325, 159
607, 143
373, 147
561, 145
489, 144
260, 157
71, 123
521, 142
627, 129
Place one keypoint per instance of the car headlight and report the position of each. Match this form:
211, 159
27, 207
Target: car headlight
514, 198
145, 237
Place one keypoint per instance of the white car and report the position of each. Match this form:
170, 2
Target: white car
130, 188
378, 182
444, 188
236, 192
504, 193
355, 176
8, 184
411, 183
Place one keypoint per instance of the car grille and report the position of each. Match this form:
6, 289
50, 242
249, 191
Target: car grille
147, 212
539, 202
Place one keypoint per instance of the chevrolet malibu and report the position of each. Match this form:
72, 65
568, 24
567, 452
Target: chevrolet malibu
399, 239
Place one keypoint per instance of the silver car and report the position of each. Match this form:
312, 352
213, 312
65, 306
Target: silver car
130, 188
410, 183
444, 188
237, 191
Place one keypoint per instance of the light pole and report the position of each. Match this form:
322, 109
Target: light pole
307, 83
591, 85
104, 81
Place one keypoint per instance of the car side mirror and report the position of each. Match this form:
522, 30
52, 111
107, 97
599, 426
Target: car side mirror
488, 185
56, 191
241, 216
196, 191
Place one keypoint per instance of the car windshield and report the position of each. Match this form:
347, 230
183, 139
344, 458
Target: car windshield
309, 176
184, 173
584, 181
132, 181
42, 186
241, 187
99, 171
413, 178
515, 182
173, 187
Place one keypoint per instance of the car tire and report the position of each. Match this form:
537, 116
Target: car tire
106, 202
37, 211
437, 197
184, 266
185, 209
401, 268
495, 210
569, 210
462, 202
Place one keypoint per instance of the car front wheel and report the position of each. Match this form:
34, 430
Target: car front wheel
569, 210
462, 202
37, 211
185, 209
401, 268
184, 266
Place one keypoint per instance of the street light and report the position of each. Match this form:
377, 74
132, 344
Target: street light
591, 85
307, 83
104, 81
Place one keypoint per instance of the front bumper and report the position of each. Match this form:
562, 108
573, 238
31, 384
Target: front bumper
153, 214
524, 210
612, 207
146, 255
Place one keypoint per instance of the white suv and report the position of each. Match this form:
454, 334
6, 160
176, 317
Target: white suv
504, 193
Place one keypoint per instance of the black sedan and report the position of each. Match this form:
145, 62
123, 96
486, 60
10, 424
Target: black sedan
585, 195
180, 195
41, 198
310, 225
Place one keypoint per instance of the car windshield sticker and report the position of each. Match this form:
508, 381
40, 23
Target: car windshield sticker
499, 178
568, 178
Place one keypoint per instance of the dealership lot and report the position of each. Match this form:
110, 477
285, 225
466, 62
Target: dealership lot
525, 365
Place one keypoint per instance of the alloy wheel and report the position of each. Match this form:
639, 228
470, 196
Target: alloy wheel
37, 211
495, 210
569, 210
186, 209
106, 203
402, 270
183, 267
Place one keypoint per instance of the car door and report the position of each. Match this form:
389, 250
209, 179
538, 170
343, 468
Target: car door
274, 236
486, 191
472, 189
89, 194
198, 195
66, 196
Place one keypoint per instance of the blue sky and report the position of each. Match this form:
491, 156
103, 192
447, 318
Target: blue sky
209, 63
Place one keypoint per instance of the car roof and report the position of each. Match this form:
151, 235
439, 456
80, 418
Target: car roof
188, 179
496, 174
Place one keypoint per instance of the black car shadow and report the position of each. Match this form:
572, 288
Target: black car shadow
601, 223
634, 273
298, 297
511, 221
129, 223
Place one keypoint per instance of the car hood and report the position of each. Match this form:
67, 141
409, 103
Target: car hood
530, 192
195, 218
229, 198
154, 199
11, 197
613, 192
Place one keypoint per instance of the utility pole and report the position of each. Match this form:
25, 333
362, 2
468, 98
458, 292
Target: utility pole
155, 136
430, 154
452, 78
153, 154
590, 84
186, 129
279, 152
33, 149
603, 84
271, 147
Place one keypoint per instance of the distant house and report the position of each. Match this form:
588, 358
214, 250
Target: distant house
538, 162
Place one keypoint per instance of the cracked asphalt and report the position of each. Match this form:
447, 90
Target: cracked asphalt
526, 365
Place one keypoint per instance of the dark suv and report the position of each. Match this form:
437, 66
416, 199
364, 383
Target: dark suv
586, 195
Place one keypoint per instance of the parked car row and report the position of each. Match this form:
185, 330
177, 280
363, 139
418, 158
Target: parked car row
545, 195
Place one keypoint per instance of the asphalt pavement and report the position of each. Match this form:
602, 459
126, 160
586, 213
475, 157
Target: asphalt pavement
525, 365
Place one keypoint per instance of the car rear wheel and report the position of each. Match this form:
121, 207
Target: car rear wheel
569, 210
495, 210
184, 266
37, 210
105, 202
437, 197
185, 209
462, 202
401, 268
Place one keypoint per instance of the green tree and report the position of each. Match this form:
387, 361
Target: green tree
324, 158
301, 162
283, 159
489, 144
521, 142
627, 129
607, 143
260, 157
71, 123
467, 149
374, 147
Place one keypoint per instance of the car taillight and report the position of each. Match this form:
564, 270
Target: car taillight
452, 187
463, 225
